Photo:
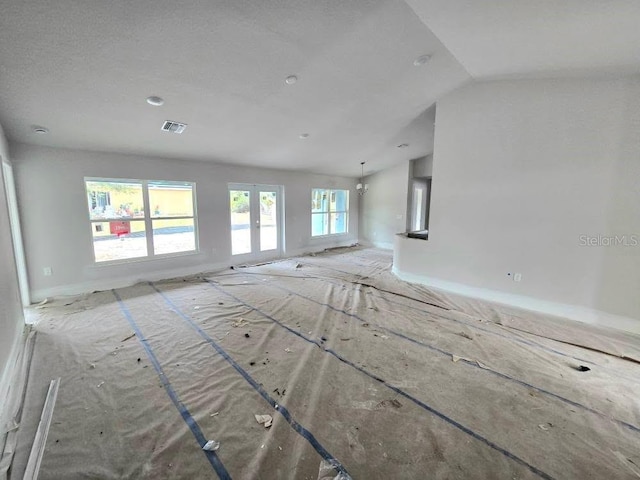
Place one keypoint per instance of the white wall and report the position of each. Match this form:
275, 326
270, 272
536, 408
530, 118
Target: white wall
54, 215
11, 317
423, 166
524, 168
384, 207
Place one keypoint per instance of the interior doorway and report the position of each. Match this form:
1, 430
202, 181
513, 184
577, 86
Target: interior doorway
256, 213
420, 202
16, 233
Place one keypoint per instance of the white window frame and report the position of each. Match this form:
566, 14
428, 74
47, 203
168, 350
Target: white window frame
328, 212
148, 219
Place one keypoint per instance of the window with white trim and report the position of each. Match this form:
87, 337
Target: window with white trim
329, 212
133, 219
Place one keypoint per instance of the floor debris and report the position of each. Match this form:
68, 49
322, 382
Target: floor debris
240, 323
214, 414
393, 403
328, 471
43, 303
583, 368
266, 420
634, 467
127, 338
211, 446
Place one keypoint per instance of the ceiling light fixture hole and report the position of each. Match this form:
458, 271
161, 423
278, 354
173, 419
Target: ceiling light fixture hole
421, 60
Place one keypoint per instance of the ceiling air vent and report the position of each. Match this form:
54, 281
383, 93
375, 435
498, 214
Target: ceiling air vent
174, 127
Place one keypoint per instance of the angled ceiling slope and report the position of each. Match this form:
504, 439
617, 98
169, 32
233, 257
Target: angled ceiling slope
524, 38
83, 68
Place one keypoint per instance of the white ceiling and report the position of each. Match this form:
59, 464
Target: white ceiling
83, 68
528, 38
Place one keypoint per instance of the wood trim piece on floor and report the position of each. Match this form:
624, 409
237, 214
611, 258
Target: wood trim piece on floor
37, 450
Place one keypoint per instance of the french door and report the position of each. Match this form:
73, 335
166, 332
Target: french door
256, 221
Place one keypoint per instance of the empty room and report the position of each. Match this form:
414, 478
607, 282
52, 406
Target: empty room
320, 239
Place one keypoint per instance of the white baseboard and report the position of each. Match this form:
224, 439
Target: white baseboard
6, 376
8, 379
320, 247
14, 385
121, 282
382, 245
572, 312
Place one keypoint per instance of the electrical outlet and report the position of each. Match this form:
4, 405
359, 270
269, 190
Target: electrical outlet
517, 277
47, 271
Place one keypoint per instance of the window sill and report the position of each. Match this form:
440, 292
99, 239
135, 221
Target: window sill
331, 235
416, 235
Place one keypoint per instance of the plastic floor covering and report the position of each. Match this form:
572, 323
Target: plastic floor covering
363, 375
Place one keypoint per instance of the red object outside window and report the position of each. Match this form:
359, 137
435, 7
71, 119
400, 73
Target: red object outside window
119, 228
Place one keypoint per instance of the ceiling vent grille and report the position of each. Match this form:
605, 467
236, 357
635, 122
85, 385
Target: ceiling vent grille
174, 127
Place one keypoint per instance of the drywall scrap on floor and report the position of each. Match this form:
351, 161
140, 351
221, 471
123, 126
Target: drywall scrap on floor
361, 372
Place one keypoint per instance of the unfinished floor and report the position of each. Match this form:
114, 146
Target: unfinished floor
364, 375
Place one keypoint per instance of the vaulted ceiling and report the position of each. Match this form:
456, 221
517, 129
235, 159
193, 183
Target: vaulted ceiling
83, 69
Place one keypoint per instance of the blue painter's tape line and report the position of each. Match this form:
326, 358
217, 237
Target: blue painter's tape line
306, 434
421, 404
214, 460
462, 360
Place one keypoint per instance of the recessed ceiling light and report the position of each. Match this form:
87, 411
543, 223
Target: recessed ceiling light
418, 62
304, 135
291, 79
155, 101
40, 130
403, 145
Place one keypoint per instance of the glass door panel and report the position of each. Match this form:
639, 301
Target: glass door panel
240, 206
268, 220
255, 212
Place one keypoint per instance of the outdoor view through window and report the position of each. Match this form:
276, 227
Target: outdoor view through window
123, 213
329, 212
